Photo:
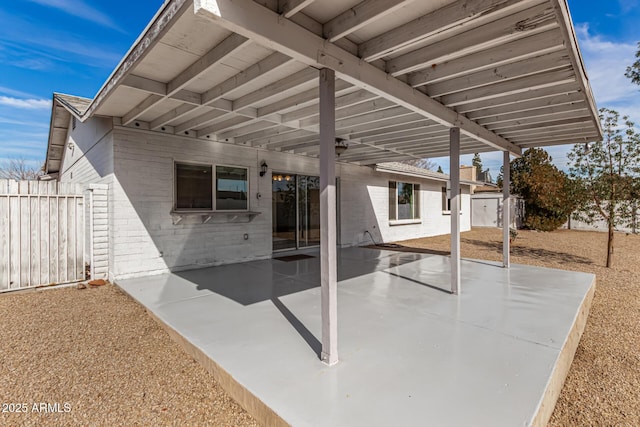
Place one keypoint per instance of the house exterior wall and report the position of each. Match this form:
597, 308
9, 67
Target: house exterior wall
88, 160
146, 239
364, 206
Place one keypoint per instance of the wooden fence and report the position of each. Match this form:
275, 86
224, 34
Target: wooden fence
41, 234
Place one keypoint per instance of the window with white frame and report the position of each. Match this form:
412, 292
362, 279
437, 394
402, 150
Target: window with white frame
446, 199
195, 188
404, 201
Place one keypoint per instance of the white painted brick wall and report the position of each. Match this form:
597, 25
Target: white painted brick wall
90, 162
144, 239
365, 207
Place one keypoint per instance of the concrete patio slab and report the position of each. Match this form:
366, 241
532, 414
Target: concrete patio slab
411, 353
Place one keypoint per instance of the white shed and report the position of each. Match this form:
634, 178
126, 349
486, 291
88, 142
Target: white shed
486, 210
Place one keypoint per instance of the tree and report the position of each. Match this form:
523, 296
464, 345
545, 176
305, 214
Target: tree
477, 162
440, 169
550, 196
19, 169
421, 163
609, 171
633, 71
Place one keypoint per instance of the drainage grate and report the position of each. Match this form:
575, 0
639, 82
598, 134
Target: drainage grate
297, 257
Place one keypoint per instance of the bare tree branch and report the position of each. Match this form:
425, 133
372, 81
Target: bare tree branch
19, 169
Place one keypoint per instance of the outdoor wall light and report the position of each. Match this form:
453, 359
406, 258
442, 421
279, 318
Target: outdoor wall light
263, 168
341, 146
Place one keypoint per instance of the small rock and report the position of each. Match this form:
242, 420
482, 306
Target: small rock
98, 282
82, 286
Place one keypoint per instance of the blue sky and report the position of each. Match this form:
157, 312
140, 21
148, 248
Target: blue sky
71, 46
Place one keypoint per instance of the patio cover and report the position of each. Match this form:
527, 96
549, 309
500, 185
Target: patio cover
507, 72
409, 79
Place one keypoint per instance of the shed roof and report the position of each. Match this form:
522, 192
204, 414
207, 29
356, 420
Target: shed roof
507, 72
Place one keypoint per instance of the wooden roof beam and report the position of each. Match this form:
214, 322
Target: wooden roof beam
548, 62
358, 16
288, 8
206, 62
510, 87
527, 105
510, 28
530, 95
267, 28
535, 45
438, 21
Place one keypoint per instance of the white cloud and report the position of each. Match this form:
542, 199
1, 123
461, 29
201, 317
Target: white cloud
628, 5
13, 92
9, 121
29, 104
81, 10
606, 63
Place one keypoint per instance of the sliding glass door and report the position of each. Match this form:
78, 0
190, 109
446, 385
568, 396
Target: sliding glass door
295, 211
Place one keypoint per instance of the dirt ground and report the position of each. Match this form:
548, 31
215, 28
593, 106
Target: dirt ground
100, 353
603, 386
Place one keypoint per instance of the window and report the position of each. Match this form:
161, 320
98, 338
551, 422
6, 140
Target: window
404, 201
446, 200
195, 187
231, 188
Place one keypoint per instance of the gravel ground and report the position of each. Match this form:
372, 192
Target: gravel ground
603, 386
99, 352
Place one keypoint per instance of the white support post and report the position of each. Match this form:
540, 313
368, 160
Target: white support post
454, 171
506, 210
328, 263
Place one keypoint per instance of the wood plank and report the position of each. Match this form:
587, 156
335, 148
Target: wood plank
529, 47
222, 126
25, 236
527, 105
5, 253
549, 62
14, 237
508, 29
438, 21
358, 16
541, 112
44, 212
290, 82
34, 231
510, 87
171, 11
570, 115
70, 250
201, 120
80, 230
144, 106
269, 29
291, 7
207, 62
530, 95
54, 233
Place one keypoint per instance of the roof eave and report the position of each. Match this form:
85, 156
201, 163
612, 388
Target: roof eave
157, 27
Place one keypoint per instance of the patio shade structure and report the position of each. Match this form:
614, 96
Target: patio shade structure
413, 79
